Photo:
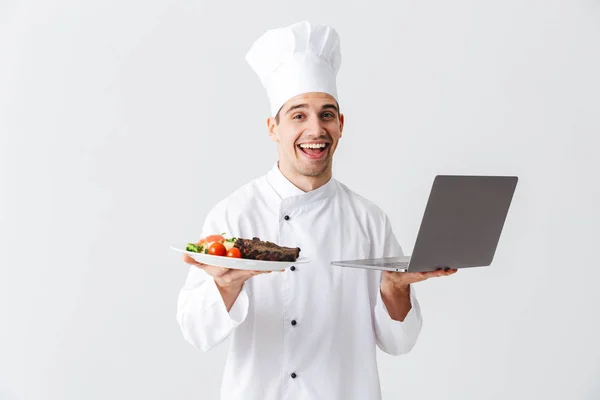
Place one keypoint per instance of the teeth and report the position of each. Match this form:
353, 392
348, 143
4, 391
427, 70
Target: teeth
313, 146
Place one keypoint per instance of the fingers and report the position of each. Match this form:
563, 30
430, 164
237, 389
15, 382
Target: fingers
430, 274
439, 272
189, 260
234, 276
226, 275
444, 272
216, 272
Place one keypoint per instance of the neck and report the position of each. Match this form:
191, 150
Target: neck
303, 182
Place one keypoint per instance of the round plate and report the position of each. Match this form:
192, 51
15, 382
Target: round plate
239, 263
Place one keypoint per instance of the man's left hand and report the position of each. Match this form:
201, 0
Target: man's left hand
401, 280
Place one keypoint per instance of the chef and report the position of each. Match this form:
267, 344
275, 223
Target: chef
311, 331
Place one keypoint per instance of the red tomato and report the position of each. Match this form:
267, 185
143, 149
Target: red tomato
215, 238
217, 249
234, 252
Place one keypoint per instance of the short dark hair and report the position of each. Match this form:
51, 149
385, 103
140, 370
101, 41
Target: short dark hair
279, 112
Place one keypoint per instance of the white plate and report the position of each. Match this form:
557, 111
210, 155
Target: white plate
239, 263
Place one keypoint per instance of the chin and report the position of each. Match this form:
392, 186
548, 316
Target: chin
313, 170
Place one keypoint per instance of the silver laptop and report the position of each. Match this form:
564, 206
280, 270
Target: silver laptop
461, 226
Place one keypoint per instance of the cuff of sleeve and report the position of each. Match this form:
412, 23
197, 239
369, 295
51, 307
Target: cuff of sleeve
397, 337
411, 319
239, 310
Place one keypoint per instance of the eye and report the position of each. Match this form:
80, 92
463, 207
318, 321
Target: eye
297, 115
328, 115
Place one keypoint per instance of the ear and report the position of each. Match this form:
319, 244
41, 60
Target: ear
341, 124
272, 127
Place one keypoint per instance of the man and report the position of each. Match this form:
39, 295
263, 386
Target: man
311, 331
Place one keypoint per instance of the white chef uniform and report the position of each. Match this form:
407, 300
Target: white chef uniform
310, 332
317, 322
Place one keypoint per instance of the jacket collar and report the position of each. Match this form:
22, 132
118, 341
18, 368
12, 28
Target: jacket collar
293, 195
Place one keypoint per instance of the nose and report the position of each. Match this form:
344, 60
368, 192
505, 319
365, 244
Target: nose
315, 126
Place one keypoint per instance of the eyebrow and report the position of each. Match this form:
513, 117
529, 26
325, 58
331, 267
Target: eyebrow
330, 107
304, 105
295, 107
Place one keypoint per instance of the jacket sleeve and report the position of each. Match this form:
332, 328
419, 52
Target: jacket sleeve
201, 312
395, 337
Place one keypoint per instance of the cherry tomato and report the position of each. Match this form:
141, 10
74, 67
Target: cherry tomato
201, 241
234, 252
217, 249
215, 238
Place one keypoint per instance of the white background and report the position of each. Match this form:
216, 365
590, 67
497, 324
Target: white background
123, 122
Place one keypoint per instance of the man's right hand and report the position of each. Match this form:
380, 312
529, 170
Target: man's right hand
229, 281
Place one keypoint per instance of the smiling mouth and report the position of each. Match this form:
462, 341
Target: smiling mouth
314, 150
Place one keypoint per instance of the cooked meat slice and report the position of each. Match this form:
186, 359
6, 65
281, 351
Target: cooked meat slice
257, 249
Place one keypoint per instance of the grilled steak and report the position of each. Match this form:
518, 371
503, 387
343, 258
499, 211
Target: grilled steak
257, 249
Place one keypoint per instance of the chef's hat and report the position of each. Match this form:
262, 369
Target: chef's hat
296, 59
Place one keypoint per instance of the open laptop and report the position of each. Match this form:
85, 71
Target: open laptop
461, 226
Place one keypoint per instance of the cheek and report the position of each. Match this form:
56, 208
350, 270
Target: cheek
334, 130
290, 140
335, 136
288, 143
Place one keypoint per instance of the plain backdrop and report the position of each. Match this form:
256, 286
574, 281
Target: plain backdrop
123, 122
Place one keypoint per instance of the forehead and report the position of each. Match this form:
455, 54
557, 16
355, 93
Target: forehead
315, 99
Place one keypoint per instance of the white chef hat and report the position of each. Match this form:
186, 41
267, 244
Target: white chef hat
296, 59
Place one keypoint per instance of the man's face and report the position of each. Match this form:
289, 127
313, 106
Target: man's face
308, 132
